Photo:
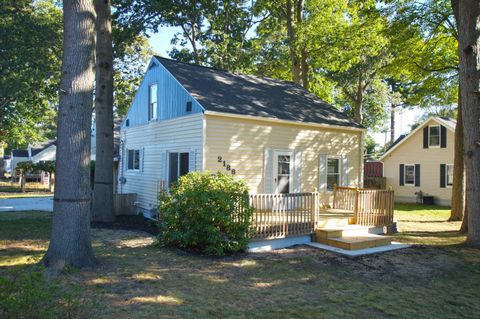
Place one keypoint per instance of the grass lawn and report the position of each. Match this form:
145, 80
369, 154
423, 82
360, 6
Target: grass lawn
136, 279
13, 190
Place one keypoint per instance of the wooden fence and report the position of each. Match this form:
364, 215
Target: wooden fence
371, 207
282, 215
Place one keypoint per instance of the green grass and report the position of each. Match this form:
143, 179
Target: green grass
137, 279
11, 190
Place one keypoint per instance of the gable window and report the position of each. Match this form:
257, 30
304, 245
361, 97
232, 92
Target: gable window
133, 161
409, 174
189, 106
449, 175
152, 102
434, 136
178, 165
333, 173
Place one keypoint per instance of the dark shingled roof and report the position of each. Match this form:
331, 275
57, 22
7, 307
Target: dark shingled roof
225, 92
37, 148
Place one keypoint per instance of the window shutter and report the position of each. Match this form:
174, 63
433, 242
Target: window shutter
344, 176
191, 160
417, 174
322, 173
443, 136
142, 159
268, 170
425, 137
297, 173
443, 172
402, 175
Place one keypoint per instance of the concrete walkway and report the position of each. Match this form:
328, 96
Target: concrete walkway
28, 203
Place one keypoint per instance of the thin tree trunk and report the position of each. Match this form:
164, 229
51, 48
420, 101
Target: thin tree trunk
23, 176
469, 79
358, 103
299, 8
70, 242
458, 187
102, 208
290, 14
392, 123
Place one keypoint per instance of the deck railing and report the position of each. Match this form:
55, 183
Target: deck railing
371, 207
282, 215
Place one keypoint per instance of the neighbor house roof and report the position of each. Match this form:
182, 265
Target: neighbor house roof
37, 148
445, 121
225, 92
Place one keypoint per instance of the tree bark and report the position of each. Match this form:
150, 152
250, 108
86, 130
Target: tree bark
102, 208
469, 79
290, 16
392, 123
70, 243
458, 187
358, 103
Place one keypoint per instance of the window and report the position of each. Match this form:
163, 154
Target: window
449, 175
178, 165
333, 173
133, 162
409, 174
434, 136
152, 100
189, 107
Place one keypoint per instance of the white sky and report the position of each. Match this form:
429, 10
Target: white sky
160, 43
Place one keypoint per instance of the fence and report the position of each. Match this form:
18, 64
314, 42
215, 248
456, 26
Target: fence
281, 215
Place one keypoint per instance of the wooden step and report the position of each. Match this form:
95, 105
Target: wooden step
347, 230
356, 242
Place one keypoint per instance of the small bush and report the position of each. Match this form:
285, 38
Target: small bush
208, 213
28, 294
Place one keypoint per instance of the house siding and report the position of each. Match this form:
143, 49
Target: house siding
171, 98
156, 138
411, 151
242, 144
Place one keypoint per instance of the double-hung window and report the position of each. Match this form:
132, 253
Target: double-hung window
449, 175
409, 174
133, 162
178, 165
434, 136
152, 102
333, 173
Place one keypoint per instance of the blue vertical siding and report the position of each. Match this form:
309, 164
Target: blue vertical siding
172, 97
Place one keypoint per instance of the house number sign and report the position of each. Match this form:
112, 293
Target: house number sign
227, 166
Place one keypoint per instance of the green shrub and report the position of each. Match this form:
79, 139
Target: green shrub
208, 213
28, 294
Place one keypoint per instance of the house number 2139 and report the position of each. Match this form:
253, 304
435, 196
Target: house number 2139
227, 166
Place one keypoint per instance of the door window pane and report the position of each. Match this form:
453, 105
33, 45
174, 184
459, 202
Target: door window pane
283, 174
333, 173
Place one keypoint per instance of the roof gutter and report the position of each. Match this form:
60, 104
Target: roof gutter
280, 121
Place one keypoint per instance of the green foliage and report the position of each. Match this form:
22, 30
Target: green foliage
25, 167
208, 213
46, 166
28, 294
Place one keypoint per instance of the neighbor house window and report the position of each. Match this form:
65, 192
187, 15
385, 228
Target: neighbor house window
333, 173
409, 174
133, 159
434, 136
449, 175
178, 165
189, 106
152, 100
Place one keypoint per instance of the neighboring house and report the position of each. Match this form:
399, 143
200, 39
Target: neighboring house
273, 134
7, 164
422, 161
45, 151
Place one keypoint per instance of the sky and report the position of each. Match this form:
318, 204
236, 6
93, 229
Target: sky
160, 43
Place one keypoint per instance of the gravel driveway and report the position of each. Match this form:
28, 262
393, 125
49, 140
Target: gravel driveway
29, 203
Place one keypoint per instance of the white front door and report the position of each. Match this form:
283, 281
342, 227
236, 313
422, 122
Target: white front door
282, 171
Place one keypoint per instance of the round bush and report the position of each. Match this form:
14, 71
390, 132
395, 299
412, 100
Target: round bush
207, 213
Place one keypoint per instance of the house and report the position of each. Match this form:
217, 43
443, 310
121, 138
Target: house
45, 151
422, 161
273, 134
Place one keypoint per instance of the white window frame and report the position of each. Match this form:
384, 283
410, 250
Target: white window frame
128, 160
152, 110
405, 175
439, 136
339, 159
446, 175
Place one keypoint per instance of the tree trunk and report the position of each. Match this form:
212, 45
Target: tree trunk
102, 209
290, 14
358, 103
469, 79
458, 187
70, 242
50, 181
23, 176
392, 123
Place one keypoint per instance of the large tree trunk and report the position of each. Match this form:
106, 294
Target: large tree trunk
102, 209
70, 242
458, 187
469, 79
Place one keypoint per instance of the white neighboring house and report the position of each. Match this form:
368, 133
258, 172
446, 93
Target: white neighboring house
422, 161
45, 151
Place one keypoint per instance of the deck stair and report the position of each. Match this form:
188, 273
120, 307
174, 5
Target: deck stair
350, 237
